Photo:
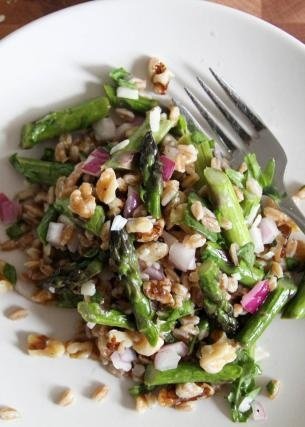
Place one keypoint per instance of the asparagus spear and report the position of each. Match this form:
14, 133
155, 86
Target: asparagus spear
226, 202
140, 105
258, 322
67, 120
92, 312
123, 255
296, 307
215, 303
151, 169
187, 372
247, 275
40, 171
136, 139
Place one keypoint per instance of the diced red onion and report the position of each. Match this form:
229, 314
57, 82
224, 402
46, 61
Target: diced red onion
9, 210
132, 202
118, 363
100, 153
168, 167
153, 273
166, 359
118, 223
253, 299
258, 411
182, 257
104, 129
268, 230
128, 355
92, 165
179, 347
257, 239
125, 160
54, 233
138, 120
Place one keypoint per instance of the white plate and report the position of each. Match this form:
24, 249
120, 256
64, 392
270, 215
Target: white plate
59, 60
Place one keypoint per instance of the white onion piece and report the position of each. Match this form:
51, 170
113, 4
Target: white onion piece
269, 230
256, 236
118, 223
126, 92
258, 411
54, 233
104, 129
90, 325
88, 289
119, 146
245, 404
118, 363
154, 119
169, 239
166, 359
179, 347
182, 257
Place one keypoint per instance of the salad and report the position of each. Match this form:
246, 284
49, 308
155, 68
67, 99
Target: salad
175, 261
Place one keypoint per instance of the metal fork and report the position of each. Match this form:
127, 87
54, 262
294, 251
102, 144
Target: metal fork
263, 144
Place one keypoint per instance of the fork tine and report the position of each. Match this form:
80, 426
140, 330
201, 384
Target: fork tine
256, 122
225, 140
233, 122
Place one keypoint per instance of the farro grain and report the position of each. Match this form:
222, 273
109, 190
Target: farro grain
66, 398
7, 413
18, 313
100, 392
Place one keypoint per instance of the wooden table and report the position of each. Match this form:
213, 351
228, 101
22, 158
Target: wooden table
286, 14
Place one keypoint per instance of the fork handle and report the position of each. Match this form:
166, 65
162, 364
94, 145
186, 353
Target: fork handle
288, 206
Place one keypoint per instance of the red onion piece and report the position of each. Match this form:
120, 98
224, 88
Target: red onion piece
154, 273
128, 355
9, 210
168, 167
100, 153
118, 363
252, 300
182, 257
125, 160
258, 411
92, 166
268, 230
179, 347
132, 202
166, 359
138, 120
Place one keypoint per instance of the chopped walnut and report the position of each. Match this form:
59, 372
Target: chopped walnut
215, 356
82, 202
159, 290
142, 346
154, 234
152, 252
106, 186
159, 74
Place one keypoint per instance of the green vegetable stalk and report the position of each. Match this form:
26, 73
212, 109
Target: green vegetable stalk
258, 322
42, 230
215, 302
122, 253
174, 314
92, 312
140, 105
295, 309
151, 169
40, 171
68, 120
188, 372
228, 207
